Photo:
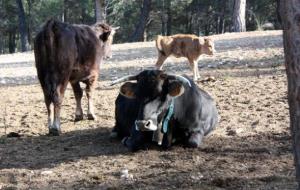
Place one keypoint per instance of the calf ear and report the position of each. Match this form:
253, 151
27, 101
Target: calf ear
128, 90
207, 40
175, 89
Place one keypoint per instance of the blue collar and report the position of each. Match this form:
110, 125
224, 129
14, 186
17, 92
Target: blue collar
168, 117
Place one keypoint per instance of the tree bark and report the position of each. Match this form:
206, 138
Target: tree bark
239, 16
100, 12
138, 34
22, 26
290, 15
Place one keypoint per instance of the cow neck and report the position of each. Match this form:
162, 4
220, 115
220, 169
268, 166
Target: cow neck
168, 117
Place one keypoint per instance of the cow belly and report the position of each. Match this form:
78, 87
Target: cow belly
78, 75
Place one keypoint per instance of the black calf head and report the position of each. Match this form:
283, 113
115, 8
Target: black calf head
154, 90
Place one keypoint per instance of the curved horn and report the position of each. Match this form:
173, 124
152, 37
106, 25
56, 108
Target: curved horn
123, 79
180, 78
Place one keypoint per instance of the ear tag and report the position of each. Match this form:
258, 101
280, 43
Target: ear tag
168, 117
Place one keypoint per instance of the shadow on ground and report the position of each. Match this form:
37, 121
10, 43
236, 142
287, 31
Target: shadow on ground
36, 152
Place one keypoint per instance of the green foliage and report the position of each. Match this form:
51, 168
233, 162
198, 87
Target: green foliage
200, 17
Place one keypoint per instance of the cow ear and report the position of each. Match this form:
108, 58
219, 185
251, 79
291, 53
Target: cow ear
104, 36
128, 90
175, 89
163, 76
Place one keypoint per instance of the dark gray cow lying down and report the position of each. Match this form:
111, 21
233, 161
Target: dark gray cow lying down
70, 53
163, 108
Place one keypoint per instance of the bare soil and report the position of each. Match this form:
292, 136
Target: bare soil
250, 149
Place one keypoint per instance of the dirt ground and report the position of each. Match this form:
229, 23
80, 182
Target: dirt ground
250, 149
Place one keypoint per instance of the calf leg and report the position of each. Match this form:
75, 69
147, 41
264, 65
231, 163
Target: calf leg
78, 96
197, 70
160, 60
194, 67
90, 86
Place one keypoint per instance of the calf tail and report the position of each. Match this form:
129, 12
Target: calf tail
158, 44
44, 50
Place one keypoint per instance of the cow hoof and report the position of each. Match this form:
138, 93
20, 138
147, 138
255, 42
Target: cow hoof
124, 141
54, 132
91, 117
78, 118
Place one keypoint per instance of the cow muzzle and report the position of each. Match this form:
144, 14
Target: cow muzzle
145, 125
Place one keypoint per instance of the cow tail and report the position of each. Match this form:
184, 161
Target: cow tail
158, 45
47, 68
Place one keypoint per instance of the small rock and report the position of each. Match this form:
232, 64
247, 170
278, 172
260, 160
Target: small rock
47, 172
231, 132
255, 123
124, 172
197, 177
125, 175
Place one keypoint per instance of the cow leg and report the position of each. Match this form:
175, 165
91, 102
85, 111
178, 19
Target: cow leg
195, 139
90, 85
78, 96
50, 110
54, 129
160, 60
194, 67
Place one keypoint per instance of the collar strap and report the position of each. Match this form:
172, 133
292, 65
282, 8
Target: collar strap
168, 117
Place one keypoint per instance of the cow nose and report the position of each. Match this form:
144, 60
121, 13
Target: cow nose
144, 125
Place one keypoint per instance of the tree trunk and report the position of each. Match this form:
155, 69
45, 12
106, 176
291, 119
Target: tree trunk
64, 17
169, 17
100, 12
138, 34
163, 19
12, 41
84, 14
30, 25
278, 23
22, 26
1, 44
290, 15
221, 15
239, 16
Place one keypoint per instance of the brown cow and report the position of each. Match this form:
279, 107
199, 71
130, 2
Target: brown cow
184, 45
69, 53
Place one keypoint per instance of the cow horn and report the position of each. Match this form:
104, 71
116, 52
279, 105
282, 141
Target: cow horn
180, 78
123, 79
